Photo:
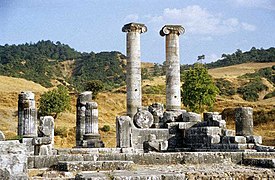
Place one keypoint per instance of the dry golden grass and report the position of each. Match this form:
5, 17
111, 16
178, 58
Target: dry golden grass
10, 84
238, 70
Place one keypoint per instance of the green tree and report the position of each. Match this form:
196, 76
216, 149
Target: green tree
54, 102
95, 86
198, 90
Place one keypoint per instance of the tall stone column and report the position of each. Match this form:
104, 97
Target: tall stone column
82, 99
27, 116
173, 97
244, 121
133, 77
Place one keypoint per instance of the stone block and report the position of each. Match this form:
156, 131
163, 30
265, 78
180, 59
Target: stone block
41, 140
157, 110
94, 165
186, 125
173, 116
13, 159
261, 148
228, 132
29, 145
139, 136
254, 139
191, 117
204, 140
210, 116
220, 123
2, 136
263, 163
203, 131
123, 131
232, 146
92, 143
155, 145
143, 119
42, 150
46, 126
234, 139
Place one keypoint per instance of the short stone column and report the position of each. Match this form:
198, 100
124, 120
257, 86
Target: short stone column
244, 121
173, 96
27, 123
82, 99
123, 131
91, 137
133, 76
87, 122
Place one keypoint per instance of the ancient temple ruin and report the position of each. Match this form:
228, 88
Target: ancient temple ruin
168, 136
87, 122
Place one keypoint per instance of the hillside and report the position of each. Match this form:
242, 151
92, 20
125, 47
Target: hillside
49, 64
235, 71
112, 104
239, 57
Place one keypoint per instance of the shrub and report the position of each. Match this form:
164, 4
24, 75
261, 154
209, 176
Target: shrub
250, 90
54, 102
106, 128
261, 117
270, 95
226, 87
60, 131
95, 86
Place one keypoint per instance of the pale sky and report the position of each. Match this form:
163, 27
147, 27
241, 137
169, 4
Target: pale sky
213, 27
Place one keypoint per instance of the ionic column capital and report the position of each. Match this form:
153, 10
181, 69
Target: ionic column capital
141, 28
169, 29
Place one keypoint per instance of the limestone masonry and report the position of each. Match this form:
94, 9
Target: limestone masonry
155, 142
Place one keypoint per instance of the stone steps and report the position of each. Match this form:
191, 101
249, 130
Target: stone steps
94, 165
127, 175
261, 162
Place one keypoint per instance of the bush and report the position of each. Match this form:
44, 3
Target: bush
54, 102
60, 131
95, 86
261, 117
250, 90
270, 95
106, 128
226, 87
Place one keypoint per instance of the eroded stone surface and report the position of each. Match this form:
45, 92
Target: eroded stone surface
244, 121
123, 131
13, 160
27, 115
143, 119
172, 63
133, 74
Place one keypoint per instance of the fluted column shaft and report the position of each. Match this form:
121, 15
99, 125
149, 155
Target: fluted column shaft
91, 118
82, 99
173, 87
27, 115
133, 76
